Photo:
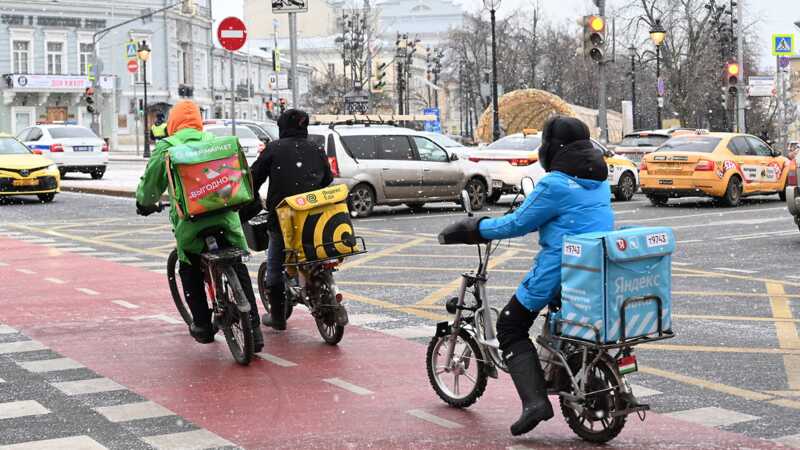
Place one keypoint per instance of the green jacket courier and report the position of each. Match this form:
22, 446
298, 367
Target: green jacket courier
154, 183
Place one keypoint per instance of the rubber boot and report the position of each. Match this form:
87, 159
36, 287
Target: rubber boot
524, 367
276, 319
258, 337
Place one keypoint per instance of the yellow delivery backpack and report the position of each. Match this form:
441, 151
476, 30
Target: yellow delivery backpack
316, 226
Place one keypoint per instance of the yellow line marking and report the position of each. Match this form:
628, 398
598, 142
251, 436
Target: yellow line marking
436, 269
468, 257
438, 295
784, 393
86, 223
710, 385
361, 261
733, 318
388, 284
786, 403
391, 306
786, 331
710, 349
133, 230
169, 247
89, 241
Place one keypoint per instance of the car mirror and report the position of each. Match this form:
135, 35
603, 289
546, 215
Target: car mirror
776, 153
527, 186
466, 203
453, 157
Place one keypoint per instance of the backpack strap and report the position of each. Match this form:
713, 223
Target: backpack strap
170, 177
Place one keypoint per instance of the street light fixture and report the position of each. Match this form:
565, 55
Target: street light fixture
657, 35
492, 6
143, 53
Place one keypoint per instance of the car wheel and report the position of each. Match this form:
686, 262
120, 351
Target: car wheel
476, 189
733, 195
626, 187
495, 197
361, 200
416, 207
782, 192
46, 198
658, 200
97, 173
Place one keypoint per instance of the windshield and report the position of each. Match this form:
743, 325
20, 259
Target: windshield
71, 132
12, 147
697, 144
442, 140
643, 141
241, 132
528, 143
272, 129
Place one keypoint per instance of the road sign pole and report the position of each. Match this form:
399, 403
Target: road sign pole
233, 99
741, 100
293, 55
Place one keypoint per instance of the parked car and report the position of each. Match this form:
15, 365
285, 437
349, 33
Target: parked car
635, 146
72, 147
449, 144
386, 165
250, 143
22, 172
509, 160
725, 166
265, 131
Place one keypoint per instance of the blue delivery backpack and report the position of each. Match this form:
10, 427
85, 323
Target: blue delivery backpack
615, 286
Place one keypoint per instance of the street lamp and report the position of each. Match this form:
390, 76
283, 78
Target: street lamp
657, 35
492, 6
634, 54
144, 54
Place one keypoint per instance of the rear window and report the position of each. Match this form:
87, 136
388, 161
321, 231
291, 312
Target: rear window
643, 141
241, 132
71, 132
360, 147
697, 144
528, 143
318, 140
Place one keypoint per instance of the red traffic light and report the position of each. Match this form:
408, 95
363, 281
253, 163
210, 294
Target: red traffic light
89, 91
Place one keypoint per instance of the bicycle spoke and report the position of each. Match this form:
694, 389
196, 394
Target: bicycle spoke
469, 377
455, 384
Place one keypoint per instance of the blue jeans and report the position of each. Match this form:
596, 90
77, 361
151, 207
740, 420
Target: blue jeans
275, 259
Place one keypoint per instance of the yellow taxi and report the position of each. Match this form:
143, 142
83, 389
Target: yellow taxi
725, 166
22, 172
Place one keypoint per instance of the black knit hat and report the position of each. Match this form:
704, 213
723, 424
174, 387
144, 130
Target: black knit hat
558, 132
293, 123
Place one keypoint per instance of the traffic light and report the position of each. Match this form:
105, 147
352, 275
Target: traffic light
380, 74
594, 37
732, 76
88, 95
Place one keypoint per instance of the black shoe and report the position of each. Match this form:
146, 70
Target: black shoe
203, 335
277, 309
526, 371
258, 337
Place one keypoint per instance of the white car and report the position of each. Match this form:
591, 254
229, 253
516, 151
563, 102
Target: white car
73, 148
251, 144
509, 160
449, 144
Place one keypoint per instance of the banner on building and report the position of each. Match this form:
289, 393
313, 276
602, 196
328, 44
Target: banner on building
56, 82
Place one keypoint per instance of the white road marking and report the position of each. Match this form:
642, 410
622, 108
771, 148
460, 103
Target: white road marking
3, 264
690, 241
641, 391
363, 319
74, 442
712, 416
710, 223
189, 440
55, 280
161, 271
436, 420
408, 332
50, 365
2, 380
674, 263
5, 329
725, 269
63, 244
89, 386
24, 408
87, 291
26, 271
123, 259
21, 346
37, 240
789, 441
338, 382
78, 249
125, 304
794, 277
101, 254
134, 411
161, 317
277, 360
148, 264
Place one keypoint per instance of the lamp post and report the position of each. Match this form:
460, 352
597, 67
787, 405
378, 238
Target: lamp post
144, 54
492, 6
657, 35
634, 54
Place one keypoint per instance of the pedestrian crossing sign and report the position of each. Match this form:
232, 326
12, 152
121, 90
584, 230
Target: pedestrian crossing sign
782, 44
130, 49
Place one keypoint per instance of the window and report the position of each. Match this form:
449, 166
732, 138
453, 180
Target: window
35, 134
643, 140
738, 146
760, 148
395, 148
428, 151
202, 70
71, 132
331, 69
10, 146
317, 139
23, 135
85, 51
22, 56
697, 144
181, 66
529, 143
360, 147
55, 58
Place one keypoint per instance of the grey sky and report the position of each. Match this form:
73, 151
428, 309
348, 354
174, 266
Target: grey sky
774, 16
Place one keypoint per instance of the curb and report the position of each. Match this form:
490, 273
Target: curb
113, 192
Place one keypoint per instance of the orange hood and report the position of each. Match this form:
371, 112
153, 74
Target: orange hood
185, 114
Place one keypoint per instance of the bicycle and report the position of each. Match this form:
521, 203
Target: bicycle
594, 395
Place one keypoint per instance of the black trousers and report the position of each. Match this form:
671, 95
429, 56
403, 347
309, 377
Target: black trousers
193, 282
514, 325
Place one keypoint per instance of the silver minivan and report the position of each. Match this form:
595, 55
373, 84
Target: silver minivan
387, 165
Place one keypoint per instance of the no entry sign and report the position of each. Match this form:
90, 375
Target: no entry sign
133, 66
232, 34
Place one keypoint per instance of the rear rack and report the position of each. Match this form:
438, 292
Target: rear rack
292, 255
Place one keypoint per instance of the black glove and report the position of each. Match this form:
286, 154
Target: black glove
146, 210
463, 232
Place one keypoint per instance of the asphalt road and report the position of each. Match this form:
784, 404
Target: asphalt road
735, 364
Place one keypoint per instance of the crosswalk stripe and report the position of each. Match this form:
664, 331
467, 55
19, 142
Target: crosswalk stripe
363, 319
90, 386
23, 408
21, 346
74, 442
50, 365
188, 440
134, 411
712, 416
5, 329
407, 332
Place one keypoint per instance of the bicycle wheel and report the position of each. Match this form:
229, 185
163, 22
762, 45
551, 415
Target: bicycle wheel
446, 376
327, 325
237, 326
176, 288
595, 423
263, 292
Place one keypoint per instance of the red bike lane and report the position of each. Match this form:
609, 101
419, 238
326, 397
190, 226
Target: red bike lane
369, 391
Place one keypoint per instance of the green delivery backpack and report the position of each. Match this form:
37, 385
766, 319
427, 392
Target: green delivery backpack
208, 177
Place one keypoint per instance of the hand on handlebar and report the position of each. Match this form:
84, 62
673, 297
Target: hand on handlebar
143, 210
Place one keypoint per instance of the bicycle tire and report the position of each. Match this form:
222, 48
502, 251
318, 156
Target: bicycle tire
242, 351
176, 290
437, 383
263, 292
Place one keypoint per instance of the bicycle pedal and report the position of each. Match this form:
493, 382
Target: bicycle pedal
631, 410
